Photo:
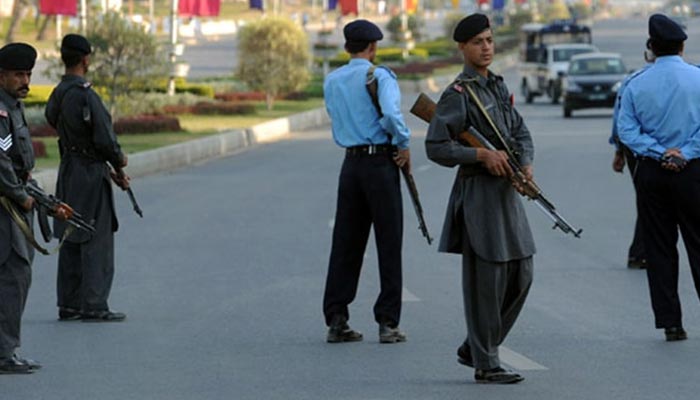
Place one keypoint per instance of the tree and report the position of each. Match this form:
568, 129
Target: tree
125, 57
19, 8
273, 57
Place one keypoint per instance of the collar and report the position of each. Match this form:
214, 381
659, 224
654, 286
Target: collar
669, 59
471, 74
359, 61
8, 100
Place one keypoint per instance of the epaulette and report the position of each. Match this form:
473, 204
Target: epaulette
457, 85
4, 113
391, 73
85, 85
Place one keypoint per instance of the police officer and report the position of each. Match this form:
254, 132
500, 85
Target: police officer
16, 163
636, 256
485, 220
375, 139
660, 122
87, 144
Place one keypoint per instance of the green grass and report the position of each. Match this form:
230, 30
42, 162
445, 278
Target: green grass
195, 127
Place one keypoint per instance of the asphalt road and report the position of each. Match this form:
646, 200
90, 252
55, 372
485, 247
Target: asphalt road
222, 282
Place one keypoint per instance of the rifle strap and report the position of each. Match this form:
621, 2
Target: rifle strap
27, 231
495, 129
373, 88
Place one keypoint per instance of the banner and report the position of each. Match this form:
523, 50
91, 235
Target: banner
498, 4
332, 4
348, 7
411, 6
58, 7
199, 8
257, 4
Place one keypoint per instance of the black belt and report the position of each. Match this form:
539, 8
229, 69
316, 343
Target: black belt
370, 149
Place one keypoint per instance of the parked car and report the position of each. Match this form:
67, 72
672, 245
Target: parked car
592, 81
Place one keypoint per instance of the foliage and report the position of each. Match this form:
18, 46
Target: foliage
384, 55
556, 10
581, 10
34, 114
212, 108
38, 95
520, 18
273, 57
124, 58
138, 103
39, 148
438, 48
146, 124
414, 25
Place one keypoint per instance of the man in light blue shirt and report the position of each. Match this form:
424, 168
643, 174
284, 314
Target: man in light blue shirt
660, 122
376, 138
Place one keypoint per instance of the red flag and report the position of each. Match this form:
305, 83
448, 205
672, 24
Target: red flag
200, 8
58, 7
348, 7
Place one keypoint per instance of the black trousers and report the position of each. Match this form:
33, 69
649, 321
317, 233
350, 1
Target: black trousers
86, 270
668, 201
636, 250
369, 194
15, 279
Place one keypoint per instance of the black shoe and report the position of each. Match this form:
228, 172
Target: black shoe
636, 263
388, 334
103, 316
464, 355
497, 375
33, 365
68, 314
339, 331
13, 366
675, 333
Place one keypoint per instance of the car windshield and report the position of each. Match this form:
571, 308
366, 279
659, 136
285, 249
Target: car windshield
597, 66
566, 54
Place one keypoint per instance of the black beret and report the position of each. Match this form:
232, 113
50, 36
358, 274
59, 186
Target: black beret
470, 26
17, 57
362, 30
665, 29
75, 43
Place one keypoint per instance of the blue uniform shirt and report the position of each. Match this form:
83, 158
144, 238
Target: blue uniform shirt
355, 120
613, 140
661, 110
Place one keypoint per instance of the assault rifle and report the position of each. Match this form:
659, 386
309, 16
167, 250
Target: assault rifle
424, 108
52, 203
413, 191
119, 177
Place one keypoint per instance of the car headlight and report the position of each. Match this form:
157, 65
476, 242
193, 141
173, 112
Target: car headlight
572, 86
616, 87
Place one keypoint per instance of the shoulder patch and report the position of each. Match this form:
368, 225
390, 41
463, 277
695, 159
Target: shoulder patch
85, 85
458, 88
3, 113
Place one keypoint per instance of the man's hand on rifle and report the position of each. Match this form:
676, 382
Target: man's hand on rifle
618, 164
62, 212
120, 179
403, 159
495, 161
523, 182
28, 204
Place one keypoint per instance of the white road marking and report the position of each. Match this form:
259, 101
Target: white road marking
519, 361
407, 296
423, 168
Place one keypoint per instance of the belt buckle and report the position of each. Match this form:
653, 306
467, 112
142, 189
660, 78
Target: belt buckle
371, 149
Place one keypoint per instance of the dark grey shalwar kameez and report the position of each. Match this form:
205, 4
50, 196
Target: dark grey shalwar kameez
485, 220
87, 142
16, 254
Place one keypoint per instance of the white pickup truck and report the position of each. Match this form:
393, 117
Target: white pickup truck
544, 75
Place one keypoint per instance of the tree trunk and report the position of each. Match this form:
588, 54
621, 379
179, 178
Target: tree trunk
44, 25
269, 100
17, 12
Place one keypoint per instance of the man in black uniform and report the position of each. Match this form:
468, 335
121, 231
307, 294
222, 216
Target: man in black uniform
87, 143
16, 163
